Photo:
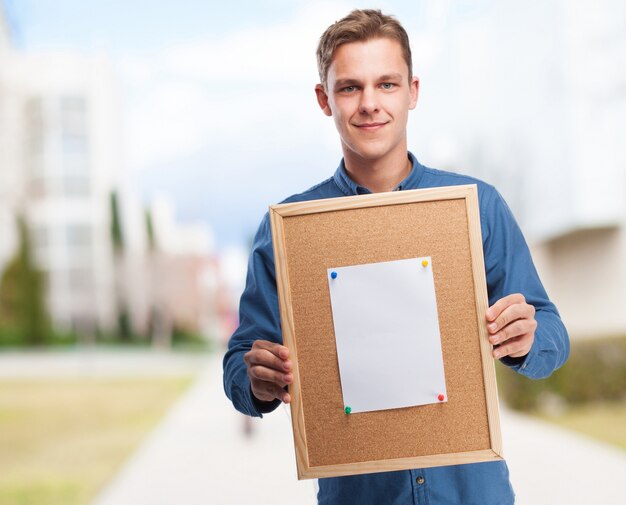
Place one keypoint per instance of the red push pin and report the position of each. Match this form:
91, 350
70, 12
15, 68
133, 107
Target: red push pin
441, 398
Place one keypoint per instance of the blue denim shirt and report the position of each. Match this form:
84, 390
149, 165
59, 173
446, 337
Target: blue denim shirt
509, 269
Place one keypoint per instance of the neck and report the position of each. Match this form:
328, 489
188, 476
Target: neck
378, 175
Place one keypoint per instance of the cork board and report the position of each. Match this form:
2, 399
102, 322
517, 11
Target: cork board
308, 238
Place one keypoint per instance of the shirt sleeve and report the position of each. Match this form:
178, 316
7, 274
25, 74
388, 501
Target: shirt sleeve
258, 319
510, 269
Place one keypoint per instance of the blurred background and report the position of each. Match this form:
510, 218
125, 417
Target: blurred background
140, 145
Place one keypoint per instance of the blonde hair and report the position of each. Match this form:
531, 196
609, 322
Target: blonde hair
360, 26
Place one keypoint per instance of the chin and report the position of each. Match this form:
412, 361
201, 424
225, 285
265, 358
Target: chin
371, 153
365, 148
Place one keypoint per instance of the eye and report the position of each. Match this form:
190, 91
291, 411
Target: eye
387, 85
349, 89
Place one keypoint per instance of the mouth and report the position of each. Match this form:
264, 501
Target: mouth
371, 126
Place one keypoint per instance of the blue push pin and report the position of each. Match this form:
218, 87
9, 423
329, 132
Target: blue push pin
333, 275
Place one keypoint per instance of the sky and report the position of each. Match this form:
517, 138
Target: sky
220, 115
219, 108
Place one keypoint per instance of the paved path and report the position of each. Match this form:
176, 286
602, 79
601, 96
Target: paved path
552, 466
198, 455
99, 362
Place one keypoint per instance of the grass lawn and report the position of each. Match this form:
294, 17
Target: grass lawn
605, 422
62, 439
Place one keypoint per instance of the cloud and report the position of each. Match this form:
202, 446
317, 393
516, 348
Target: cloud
250, 88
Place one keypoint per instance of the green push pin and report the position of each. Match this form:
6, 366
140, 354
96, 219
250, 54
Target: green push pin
347, 410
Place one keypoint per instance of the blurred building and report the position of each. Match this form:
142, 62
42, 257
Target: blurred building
70, 157
61, 160
539, 93
9, 147
585, 258
183, 276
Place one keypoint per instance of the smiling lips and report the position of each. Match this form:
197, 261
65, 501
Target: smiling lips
370, 126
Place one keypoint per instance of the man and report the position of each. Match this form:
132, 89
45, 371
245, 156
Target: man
367, 87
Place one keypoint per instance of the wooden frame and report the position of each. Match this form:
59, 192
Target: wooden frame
329, 443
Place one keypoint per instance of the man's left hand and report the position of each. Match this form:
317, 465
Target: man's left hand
511, 325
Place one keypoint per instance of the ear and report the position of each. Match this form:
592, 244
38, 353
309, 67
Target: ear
322, 100
414, 92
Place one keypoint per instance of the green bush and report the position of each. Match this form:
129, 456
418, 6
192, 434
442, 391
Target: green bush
23, 310
12, 337
595, 371
183, 338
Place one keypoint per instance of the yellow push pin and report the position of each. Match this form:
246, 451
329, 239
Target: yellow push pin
424, 263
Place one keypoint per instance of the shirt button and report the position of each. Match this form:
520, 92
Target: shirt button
420, 480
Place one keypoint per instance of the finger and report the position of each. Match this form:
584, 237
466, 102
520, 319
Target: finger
510, 314
265, 358
280, 351
496, 309
268, 391
515, 347
514, 329
268, 375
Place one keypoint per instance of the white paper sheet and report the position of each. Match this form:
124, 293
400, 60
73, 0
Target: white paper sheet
387, 334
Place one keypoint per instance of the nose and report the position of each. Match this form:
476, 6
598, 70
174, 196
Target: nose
369, 101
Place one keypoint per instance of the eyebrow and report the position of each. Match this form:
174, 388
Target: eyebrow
390, 77
344, 83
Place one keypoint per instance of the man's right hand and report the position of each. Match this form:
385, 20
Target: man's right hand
269, 369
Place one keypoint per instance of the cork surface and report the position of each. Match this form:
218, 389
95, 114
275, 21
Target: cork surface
317, 241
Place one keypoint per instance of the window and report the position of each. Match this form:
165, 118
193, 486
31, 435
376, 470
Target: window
73, 116
74, 139
79, 235
35, 135
75, 185
80, 279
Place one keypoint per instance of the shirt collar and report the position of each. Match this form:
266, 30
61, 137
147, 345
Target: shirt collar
349, 187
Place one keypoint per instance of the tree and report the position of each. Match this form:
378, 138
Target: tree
124, 327
161, 325
22, 294
150, 230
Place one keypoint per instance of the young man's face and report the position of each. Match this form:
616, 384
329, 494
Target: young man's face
369, 95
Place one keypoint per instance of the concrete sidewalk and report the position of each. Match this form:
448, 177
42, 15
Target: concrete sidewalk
199, 455
552, 466
99, 362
